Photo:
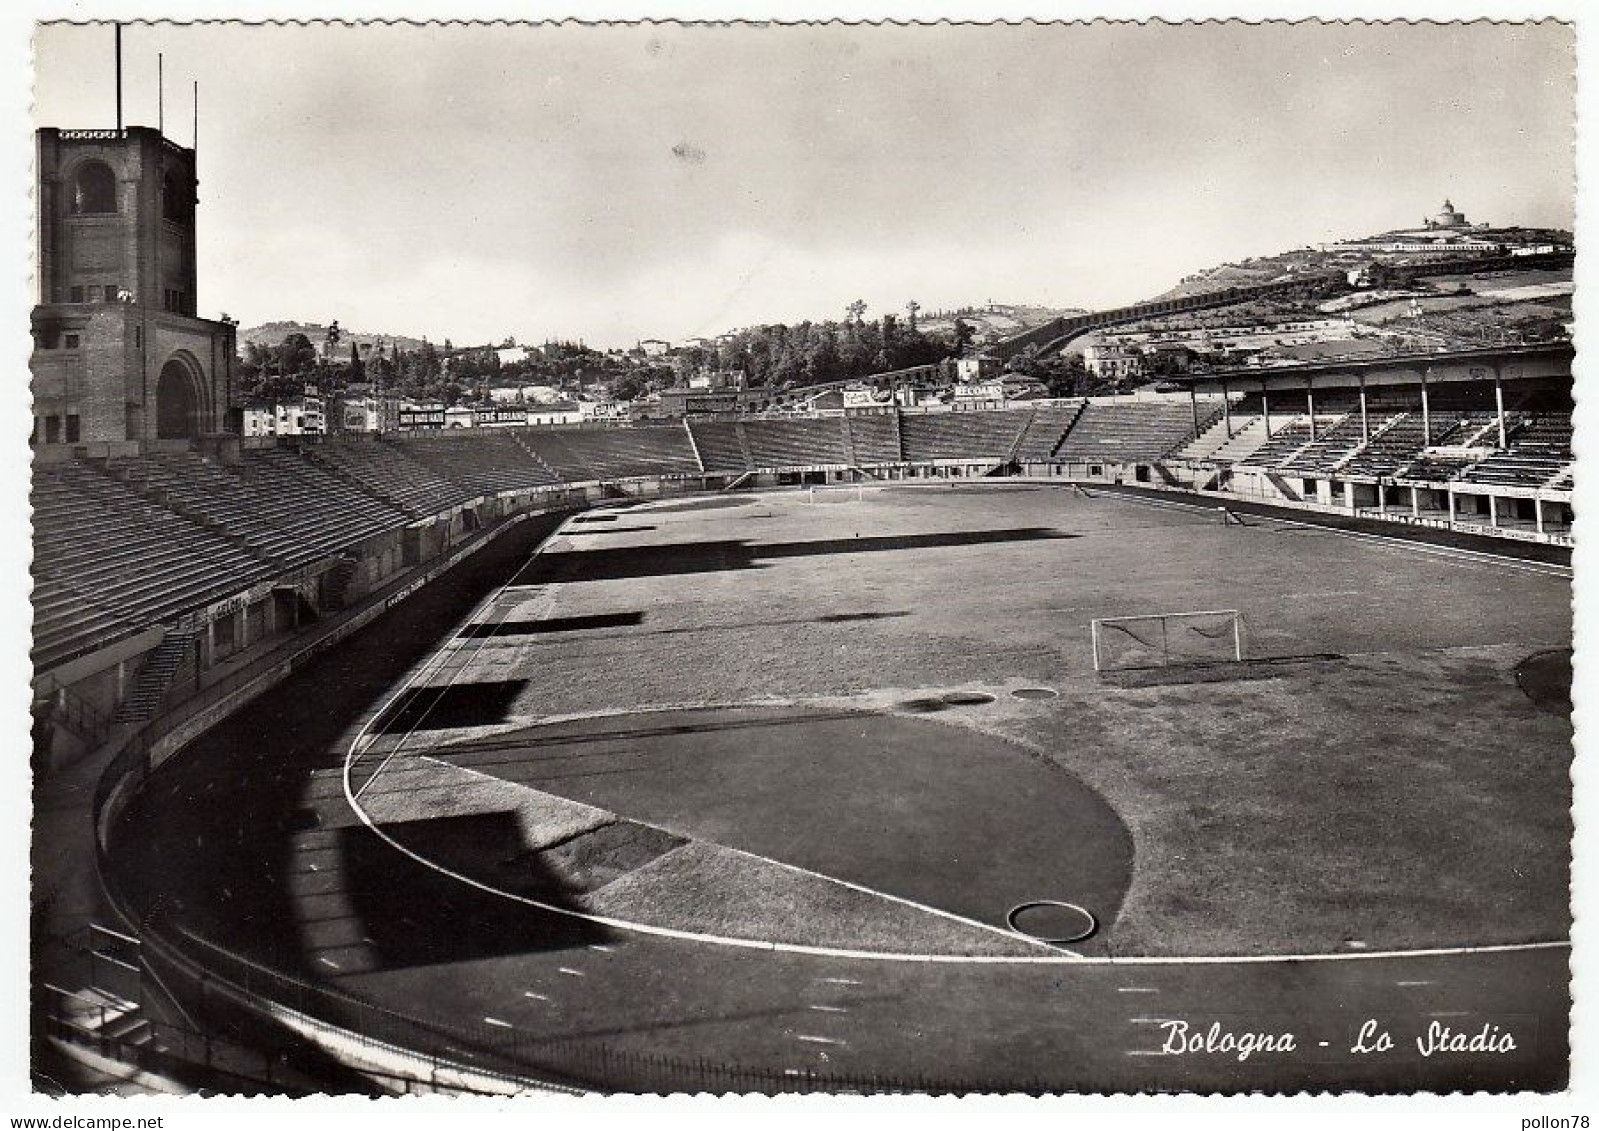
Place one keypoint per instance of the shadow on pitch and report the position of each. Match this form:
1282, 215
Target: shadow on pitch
620, 562
413, 915
445, 708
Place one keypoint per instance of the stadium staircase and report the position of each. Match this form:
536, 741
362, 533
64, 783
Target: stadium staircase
155, 678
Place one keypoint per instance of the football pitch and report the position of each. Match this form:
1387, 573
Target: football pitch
802, 781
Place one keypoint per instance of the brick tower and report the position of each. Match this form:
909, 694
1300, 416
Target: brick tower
118, 351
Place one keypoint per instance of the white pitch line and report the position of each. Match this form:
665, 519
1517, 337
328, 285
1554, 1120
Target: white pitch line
497, 1021
816, 1040
1414, 983
443, 656
1136, 990
1017, 936
1055, 958
843, 981
828, 1008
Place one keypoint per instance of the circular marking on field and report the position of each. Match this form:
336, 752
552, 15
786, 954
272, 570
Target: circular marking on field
1035, 693
966, 698
1545, 678
719, 502
1053, 921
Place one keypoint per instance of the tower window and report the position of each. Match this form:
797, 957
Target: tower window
70, 341
74, 429
94, 189
77, 294
111, 292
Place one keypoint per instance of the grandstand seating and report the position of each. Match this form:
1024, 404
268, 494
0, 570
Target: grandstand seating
66, 623
278, 505
124, 557
136, 541
874, 437
1288, 435
961, 435
490, 461
579, 455
1394, 448
1133, 431
720, 446
796, 443
1332, 444
384, 469
1045, 429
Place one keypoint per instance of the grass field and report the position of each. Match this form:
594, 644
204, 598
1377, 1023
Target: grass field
796, 722
1404, 792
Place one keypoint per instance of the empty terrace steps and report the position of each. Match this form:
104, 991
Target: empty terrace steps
1044, 431
1287, 436
719, 446
962, 435
1331, 446
1395, 445
276, 504
579, 455
383, 468
67, 624
487, 462
1137, 431
99, 538
804, 442
876, 437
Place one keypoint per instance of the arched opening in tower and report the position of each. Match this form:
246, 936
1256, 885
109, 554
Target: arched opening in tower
177, 409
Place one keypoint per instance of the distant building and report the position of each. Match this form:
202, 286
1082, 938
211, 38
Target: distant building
1447, 217
654, 347
556, 412
361, 414
1109, 361
983, 367
301, 416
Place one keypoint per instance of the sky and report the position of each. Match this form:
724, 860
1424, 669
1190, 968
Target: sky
617, 183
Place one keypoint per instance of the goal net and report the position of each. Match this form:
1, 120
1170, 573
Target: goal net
1159, 640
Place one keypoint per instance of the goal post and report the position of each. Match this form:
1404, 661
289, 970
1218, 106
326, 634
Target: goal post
1158, 640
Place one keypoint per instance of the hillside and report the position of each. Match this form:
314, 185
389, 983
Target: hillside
1383, 295
990, 321
1394, 249
273, 333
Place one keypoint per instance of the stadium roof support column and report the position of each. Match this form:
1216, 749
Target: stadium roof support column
1365, 421
1499, 404
1227, 409
1265, 408
1310, 408
1193, 405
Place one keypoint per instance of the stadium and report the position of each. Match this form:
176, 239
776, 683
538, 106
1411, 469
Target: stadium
566, 711
1214, 737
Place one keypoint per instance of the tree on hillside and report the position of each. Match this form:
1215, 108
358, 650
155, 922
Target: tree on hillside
296, 355
963, 337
